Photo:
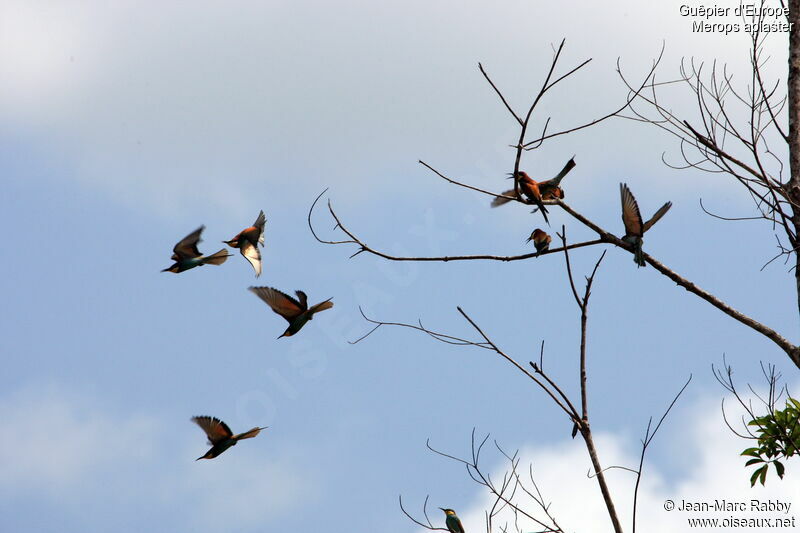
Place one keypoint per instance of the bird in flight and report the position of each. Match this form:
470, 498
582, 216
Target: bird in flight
220, 436
634, 227
296, 312
247, 242
186, 255
541, 240
452, 521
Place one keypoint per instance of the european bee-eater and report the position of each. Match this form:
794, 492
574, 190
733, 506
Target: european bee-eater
551, 188
541, 240
186, 255
220, 436
452, 522
296, 312
247, 242
529, 188
552, 194
632, 219
536, 192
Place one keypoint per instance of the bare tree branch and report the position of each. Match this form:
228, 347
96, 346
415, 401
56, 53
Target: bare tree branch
648, 438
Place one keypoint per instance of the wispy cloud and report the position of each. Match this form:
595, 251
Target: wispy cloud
67, 447
710, 469
219, 103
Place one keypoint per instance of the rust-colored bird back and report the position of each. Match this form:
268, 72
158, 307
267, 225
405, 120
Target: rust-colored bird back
216, 430
552, 193
281, 303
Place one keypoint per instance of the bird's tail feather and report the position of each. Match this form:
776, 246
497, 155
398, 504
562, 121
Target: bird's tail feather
500, 201
327, 304
249, 434
217, 258
564, 171
543, 210
638, 256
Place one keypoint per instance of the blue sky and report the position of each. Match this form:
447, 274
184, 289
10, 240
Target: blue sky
124, 128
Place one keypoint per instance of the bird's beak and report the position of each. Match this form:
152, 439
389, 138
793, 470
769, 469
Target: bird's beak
442, 508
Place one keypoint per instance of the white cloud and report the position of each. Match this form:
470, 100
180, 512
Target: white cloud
166, 106
65, 448
710, 469
56, 439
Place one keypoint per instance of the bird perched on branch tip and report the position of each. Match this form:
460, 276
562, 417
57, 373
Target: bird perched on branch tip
452, 521
541, 240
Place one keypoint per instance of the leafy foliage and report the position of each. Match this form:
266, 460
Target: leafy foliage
778, 435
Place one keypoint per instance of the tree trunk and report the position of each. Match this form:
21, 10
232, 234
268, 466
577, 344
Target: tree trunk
793, 89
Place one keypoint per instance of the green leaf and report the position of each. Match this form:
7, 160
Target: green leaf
753, 461
755, 475
763, 474
779, 468
752, 452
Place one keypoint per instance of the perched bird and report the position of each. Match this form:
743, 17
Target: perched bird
634, 228
541, 240
296, 312
529, 188
452, 522
552, 194
551, 188
186, 255
247, 242
538, 191
220, 436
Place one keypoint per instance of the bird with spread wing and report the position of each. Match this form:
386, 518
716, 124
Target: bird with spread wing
186, 255
220, 436
634, 227
247, 242
295, 311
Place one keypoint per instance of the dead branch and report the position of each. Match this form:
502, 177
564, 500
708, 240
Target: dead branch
648, 439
